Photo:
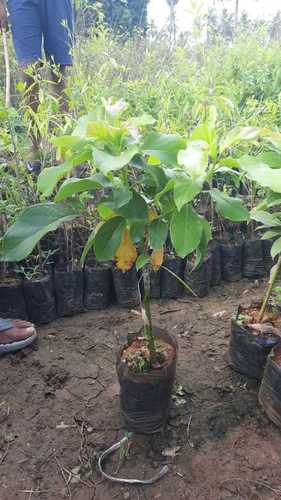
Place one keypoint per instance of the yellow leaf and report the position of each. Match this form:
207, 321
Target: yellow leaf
157, 258
126, 254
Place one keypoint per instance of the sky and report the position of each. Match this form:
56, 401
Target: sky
159, 10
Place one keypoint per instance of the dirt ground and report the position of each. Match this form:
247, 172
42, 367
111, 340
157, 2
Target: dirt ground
59, 409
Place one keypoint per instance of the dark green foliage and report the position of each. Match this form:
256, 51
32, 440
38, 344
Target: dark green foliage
123, 16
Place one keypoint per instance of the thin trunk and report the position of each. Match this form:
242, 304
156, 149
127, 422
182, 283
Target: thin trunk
273, 277
146, 314
8, 70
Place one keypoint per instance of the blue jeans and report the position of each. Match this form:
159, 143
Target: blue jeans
42, 22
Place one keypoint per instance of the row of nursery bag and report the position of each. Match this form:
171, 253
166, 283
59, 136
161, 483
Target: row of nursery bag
65, 293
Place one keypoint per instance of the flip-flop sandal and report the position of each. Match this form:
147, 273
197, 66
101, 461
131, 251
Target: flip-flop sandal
14, 346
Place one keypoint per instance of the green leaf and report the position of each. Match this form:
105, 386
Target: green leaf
137, 230
157, 176
109, 163
205, 239
142, 260
165, 147
105, 211
268, 235
186, 231
32, 224
194, 160
228, 207
269, 220
67, 141
206, 133
261, 173
238, 135
157, 232
74, 186
142, 121
169, 187
108, 238
273, 200
50, 176
121, 197
185, 191
87, 248
276, 248
271, 158
135, 209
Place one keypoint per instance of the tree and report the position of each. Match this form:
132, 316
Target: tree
275, 27
123, 16
172, 22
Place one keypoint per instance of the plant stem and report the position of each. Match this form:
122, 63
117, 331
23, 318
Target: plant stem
273, 277
146, 314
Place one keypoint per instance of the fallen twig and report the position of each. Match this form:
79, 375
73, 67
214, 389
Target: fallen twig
191, 444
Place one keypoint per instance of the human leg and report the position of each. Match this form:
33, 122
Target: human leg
27, 31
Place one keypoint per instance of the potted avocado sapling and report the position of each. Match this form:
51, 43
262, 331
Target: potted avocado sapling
149, 183
256, 329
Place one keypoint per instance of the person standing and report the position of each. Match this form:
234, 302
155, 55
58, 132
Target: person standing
36, 24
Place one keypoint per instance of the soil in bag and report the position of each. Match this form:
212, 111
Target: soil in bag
145, 397
199, 280
12, 302
40, 299
126, 287
69, 292
231, 259
98, 287
171, 288
253, 262
216, 276
249, 347
270, 390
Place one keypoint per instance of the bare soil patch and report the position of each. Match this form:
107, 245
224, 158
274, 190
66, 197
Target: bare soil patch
59, 409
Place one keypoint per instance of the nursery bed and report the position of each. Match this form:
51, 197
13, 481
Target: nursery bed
59, 409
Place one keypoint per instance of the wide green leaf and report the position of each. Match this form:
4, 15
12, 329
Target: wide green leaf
276, 248
109, 163
135, 209
121, 196
186, 231
238, 135
157, 232
228, 207
32, 224
165, 147
156, 177
266, 218
185, 191
261, 173
141, 261
75, 185
194, 160
203, 245
142, 121
205, 132
137, 230
270, 158
87, 247
108, 238
50, 176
